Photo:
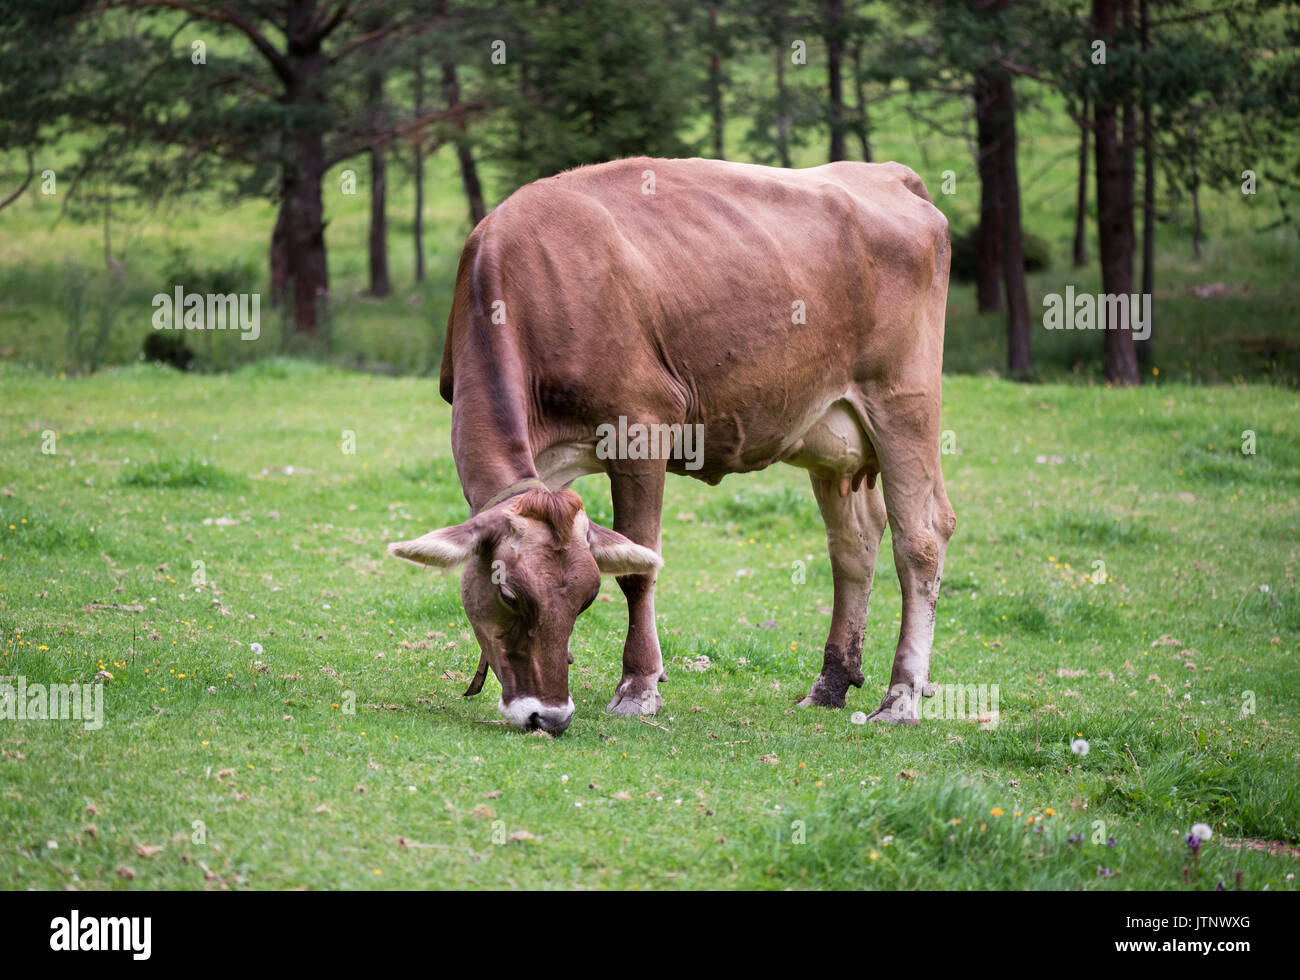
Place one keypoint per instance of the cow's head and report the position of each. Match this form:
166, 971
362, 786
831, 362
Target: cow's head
532, 563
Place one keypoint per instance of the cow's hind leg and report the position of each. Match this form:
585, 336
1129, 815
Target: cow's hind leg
921, 521
854, 526
638, 495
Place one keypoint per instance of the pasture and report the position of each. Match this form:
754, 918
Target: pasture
1122, 571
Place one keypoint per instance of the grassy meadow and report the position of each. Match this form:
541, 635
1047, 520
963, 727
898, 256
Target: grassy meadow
343, 755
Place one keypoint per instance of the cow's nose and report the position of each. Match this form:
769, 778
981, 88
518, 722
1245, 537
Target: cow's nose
553, 721
531, 714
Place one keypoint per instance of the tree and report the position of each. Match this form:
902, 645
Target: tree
834, 36
275, 102
717, 42
996, 109
588, 86
458, 37
861, 124
34, 70
417, 167
1080, 251
785, 116
986, 94
1114, 193
378, 239
464, 149
980, 45
1144, 346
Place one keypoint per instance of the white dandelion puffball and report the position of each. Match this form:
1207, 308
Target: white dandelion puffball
256, 648
1079, 746
1201, 831
858, 718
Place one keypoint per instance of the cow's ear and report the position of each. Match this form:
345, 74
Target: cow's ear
617, 555
444, 548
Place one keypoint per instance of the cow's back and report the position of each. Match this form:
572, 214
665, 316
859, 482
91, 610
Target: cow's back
700, 289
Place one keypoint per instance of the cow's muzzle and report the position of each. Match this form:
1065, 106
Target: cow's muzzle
530, 714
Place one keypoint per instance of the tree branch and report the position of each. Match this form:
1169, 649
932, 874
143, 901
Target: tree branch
239, 76
1201, 14
222, 15
408, 29
31, 171
344, 13
357, 142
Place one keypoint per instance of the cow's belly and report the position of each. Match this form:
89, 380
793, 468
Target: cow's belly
832, 443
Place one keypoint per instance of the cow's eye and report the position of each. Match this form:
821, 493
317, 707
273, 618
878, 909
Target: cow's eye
509, 598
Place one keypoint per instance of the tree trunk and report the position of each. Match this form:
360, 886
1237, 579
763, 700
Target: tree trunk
782, 109
1196, 190
717, 111
861, 123
379, 282
306, 266
280, 254
834, 60
1114, 215
108, 234
308, 269
1144, 349
1020, 359
988, 257
1129, 125
469, 180
1081, 195
418, 222
464, 151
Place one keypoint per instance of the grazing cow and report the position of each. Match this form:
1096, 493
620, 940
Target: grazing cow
781, 315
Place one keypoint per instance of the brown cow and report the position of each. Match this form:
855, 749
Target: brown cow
775, 315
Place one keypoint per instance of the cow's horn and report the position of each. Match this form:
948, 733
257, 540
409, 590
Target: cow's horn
480, 675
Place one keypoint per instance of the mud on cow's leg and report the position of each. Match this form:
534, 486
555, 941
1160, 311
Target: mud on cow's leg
638, 503
854, 525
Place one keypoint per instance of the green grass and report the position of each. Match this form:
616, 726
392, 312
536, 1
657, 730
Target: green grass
251, 766
187, 472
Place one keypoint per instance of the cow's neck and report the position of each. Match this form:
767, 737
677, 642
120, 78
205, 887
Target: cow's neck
489, 423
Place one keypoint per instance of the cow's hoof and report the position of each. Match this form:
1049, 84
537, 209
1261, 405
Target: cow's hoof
888, 718
897, 709
820, 697
635, 697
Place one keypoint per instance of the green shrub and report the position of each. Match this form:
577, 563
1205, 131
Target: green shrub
1038, 253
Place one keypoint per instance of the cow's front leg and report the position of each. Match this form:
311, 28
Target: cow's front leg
638, 495
854, 526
